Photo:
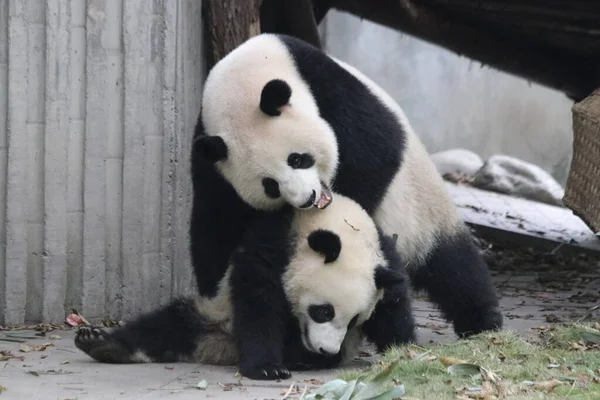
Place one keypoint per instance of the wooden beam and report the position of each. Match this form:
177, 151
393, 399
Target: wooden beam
291, 17
574, 75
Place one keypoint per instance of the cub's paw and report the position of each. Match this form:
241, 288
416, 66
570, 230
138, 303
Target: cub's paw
89, 337
98, 344
269, 372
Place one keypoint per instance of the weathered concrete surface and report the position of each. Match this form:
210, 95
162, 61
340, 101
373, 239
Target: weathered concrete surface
98, 100
529, 298
453, 101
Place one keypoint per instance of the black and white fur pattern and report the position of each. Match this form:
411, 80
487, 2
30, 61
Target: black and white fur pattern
303, 300
274, 98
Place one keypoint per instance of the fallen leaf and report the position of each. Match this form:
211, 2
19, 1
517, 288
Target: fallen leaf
2, 388
552, 318
65, 362
591, 337
76, 319
488, 375
547, 386
6, 355
25, 348
54, 337
202, 385
34, 373
314, 381
448, 361
464, 369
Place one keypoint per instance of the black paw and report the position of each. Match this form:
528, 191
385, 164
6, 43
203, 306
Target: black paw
475, 322
266, 372
90, 337
98, 344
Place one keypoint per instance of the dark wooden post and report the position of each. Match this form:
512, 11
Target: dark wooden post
228, 23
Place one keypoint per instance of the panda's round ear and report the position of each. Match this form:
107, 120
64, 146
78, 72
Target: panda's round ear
326, 243
211, 148
385, 277
275, 94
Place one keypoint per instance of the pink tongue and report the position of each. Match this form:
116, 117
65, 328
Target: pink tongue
324, 200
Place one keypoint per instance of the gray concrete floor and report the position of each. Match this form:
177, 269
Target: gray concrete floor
65, 373
532, 294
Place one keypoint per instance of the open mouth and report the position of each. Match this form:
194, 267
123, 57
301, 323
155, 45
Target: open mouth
325, 199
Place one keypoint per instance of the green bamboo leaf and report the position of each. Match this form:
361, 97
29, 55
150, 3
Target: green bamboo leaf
591, 337
463, 369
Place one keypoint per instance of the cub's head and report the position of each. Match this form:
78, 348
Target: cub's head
267, 139
337, 274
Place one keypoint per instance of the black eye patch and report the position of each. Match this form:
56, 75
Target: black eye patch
322, 313
300, 161
352, 322
271, 188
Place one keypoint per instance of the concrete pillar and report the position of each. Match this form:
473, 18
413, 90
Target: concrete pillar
98, 100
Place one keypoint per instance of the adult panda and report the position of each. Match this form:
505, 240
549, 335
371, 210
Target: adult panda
282, 122
303, 300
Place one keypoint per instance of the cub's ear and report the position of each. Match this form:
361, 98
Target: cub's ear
385, 277
275, 94
211, 148
326, 243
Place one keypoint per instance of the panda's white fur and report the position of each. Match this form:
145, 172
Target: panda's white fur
363, 147
417, 206
344, 277
257, 143
347, 283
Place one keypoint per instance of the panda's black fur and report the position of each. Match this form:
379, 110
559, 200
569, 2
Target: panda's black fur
265, 336
454, 274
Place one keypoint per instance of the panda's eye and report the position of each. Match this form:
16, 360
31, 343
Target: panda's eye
353, 322
322, 313
300, 161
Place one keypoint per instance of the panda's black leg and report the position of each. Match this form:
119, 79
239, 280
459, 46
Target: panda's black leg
458, 280
168, 334
259, 321
392, 322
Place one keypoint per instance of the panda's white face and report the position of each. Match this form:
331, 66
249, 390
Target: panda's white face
280, 163
330, 282
327, 312
277, 149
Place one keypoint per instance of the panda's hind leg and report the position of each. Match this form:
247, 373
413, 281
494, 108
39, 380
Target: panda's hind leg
98, 344
169, 334
458, 281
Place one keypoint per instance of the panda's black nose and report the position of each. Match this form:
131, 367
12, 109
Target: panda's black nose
311, 200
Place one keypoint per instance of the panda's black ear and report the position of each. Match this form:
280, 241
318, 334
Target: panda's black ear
385, 277
211, 148
326, 243
275, 94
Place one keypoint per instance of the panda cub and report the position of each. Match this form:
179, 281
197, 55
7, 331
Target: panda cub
302, 300
284, 123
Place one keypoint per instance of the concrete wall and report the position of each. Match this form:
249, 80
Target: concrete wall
454, 102
98, 99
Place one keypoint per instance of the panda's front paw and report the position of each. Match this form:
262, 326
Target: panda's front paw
477, 321
266, 372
